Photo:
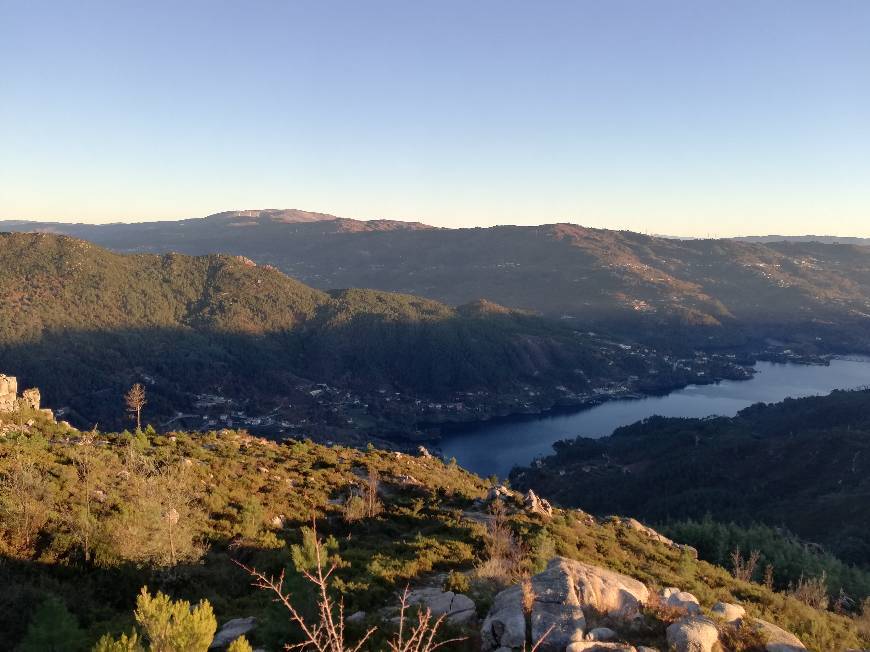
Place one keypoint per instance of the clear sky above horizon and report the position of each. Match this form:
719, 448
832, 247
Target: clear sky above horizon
685, 118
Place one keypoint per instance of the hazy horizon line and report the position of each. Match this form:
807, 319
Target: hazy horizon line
711, 235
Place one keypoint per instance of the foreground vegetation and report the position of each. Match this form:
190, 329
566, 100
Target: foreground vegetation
88, 519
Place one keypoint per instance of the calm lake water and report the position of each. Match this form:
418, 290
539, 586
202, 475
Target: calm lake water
496, 447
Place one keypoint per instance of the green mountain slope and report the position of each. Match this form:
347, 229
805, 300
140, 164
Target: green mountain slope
84, 323
803, 464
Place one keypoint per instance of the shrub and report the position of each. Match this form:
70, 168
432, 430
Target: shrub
812, 591
168, 626
53, 629
741, 637
457, 582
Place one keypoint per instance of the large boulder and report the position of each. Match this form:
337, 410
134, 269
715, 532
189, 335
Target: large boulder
683, 600
555, 600
730, 613
605, 591
505, 624
778, 640
458, 609
231, 630
599, 646
555, 607
693, 634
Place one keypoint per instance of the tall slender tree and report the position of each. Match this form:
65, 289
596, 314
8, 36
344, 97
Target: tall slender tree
135, 401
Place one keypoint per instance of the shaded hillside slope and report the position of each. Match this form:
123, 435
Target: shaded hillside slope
82, 323
803, 464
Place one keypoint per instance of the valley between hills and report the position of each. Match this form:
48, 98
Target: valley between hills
274, 403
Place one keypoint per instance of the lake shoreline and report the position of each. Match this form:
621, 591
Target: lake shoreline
722, 396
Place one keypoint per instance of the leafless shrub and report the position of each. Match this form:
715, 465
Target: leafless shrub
744, 569
812, 591
370, 493
327, 634
421, 637
768, 577
505, 554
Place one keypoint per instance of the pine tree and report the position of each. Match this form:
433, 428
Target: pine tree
167, 625
53, 629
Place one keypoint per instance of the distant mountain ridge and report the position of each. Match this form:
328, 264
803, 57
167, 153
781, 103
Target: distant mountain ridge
823, 239
808, 295
201, 229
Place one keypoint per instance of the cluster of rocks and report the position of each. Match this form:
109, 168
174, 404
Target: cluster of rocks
564, 608
532, 503
13, 404
9, 399
637, 526
537, 505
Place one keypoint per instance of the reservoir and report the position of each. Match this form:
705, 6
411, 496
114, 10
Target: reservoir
495, 447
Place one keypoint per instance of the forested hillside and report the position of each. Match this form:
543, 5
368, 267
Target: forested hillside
84, 324
810, 295
801, 464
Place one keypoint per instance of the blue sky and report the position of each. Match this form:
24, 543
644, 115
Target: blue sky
686, 118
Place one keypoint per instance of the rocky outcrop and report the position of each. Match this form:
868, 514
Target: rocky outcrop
11, 402
555, 607
499, 492
559, 600
8, 393
231, 630
637, 526
693, 634
606, 591
536, 505
457, 608
778, 640
570, 596
30, 398
634, 524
